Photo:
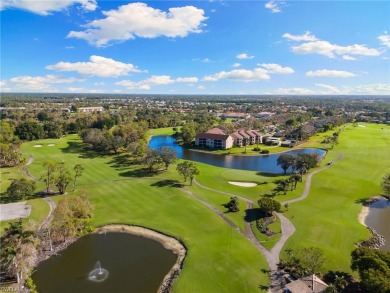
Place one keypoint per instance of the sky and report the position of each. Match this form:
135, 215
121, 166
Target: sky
196, 47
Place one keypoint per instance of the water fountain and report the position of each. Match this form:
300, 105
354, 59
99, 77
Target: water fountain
98, 274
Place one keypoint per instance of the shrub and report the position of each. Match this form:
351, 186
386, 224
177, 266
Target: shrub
264, 152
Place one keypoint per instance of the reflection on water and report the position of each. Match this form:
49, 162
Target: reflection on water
133, 264
263, 163
378, 218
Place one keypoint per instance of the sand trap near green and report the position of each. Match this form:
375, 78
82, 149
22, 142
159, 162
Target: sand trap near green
243, 184
37, 146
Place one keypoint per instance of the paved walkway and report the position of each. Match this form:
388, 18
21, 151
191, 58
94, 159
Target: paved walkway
49, 201
287, 228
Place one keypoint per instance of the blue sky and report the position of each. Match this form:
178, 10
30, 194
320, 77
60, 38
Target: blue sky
196, 47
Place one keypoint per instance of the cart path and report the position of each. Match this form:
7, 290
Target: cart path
287, 229
49, 201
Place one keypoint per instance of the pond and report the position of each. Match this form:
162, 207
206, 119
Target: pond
125, 263
378, 218
263, 163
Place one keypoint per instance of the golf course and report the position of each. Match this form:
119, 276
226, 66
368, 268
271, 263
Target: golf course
221, 257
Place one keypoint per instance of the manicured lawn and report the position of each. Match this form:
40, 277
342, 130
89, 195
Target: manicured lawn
328, 217
119, 195
163, 131
268, 242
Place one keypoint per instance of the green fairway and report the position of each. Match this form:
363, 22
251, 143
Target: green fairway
328, 217
163, 131
215, 250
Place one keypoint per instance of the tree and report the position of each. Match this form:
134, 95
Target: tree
21, 188
285, 161
63, 177
312, 258
71, 217
18, 250
152, 158
10, 155
385, 184
78, 171
269, 205
373, 267
30, 131
233, 204
168, 156
188, 132
49, 176
294, 179
188, 170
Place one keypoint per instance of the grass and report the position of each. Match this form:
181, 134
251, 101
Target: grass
268, 242
120, 194
328, 217
163, 131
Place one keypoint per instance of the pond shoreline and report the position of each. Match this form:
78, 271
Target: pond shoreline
169, 242
376, 240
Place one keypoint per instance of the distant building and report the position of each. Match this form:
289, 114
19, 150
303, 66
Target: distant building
234, 115
217, 138
264, 114
91, 109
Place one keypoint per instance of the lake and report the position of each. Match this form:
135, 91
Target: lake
263, 163
133, 263
378, 218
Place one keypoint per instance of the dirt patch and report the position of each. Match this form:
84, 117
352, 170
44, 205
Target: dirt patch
168, 242
243, 184
16, 210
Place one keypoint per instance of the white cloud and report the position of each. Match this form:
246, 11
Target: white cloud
329, 73
236, 64
201, 87
84, 90
154, 80
385, 39
45, 7
187, 79
98, 66
276, 68
240, 75
331, 50
260, 73
307, 36
40, 83
2, 84
328, 89
244, 56
138, 19
291, 91
274, 6
347, 57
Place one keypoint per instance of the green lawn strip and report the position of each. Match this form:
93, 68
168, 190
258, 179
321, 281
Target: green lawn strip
7, 174
218, 200
249, 150
328, 217
163, 131
268, 242
218, 178
215, 250
39, 211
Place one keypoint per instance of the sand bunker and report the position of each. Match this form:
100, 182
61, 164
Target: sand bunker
362, 125
243, 184
37, 146
51, 144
